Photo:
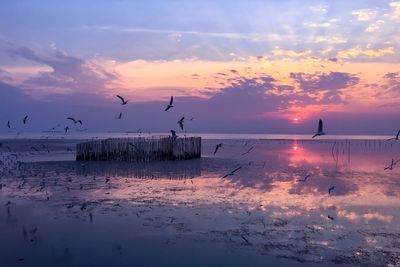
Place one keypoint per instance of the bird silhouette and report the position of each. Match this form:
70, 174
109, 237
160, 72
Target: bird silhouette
320, 129
66, 129
232, 172
180, 122
124, 102
25, 118
305, 178
395, 138
250, 149
119, 116
8, 124
390, 167
218, 146
331, 189
170, 104
173, 135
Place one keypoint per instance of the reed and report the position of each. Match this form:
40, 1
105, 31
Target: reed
140, 149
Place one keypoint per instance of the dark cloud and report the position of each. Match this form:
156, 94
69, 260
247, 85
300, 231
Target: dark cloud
68, 73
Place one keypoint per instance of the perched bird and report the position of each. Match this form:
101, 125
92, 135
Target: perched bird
173, 135
66, 129
331, 189
124, 102
305, 178
395, 138
320, 129
232, 172
25, 118
120, 116
170, 104
390, 167
180, 123
217, 147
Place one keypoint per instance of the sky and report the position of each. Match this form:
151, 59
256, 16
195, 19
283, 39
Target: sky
232, 66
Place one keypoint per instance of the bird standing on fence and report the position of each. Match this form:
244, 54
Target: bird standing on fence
170, 104
320, 129
173, 135
124, 102
395, 138
180, 123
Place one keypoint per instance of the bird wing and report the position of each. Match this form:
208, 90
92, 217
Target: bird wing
72, 119
398, 134
172, 100
320, 126
120, 97
216, 149
235, 170
25, 118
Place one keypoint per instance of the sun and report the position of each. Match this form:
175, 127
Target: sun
295, 119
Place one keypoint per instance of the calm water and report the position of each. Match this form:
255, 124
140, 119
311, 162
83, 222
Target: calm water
56, 211
211, 136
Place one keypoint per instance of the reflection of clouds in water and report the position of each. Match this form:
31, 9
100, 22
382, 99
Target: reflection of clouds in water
264, 202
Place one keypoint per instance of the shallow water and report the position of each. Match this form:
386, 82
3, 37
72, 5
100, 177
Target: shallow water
60, 212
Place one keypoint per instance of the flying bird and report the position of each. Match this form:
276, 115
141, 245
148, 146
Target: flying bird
390, 167
331, 189
124, 102
173, 135
331, 218
395, 138
25, 118
232, 172
180, 122
217, 147
250, 149
320, 129
305, 178
170, 103
120, 116
72, 119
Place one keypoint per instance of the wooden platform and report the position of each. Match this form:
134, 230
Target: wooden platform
140, 149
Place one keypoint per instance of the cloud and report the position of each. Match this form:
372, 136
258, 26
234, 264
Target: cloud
373, 27
325, 85
290, 53
357, 51
392, 82
364, 14
68, 73
326, 24
333, 40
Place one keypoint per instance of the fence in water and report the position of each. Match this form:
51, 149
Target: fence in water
140, 149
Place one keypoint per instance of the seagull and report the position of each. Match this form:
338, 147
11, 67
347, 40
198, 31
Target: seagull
180, 122
25, 118
395, 138
72, 119
320, 129
217, 147
250, 149
232, 172
124, 102
173, 135
331, 189
305, 178
390, 167
120, 116
170, 104
8, 125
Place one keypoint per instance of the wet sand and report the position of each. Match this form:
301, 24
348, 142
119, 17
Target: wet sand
55, 211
